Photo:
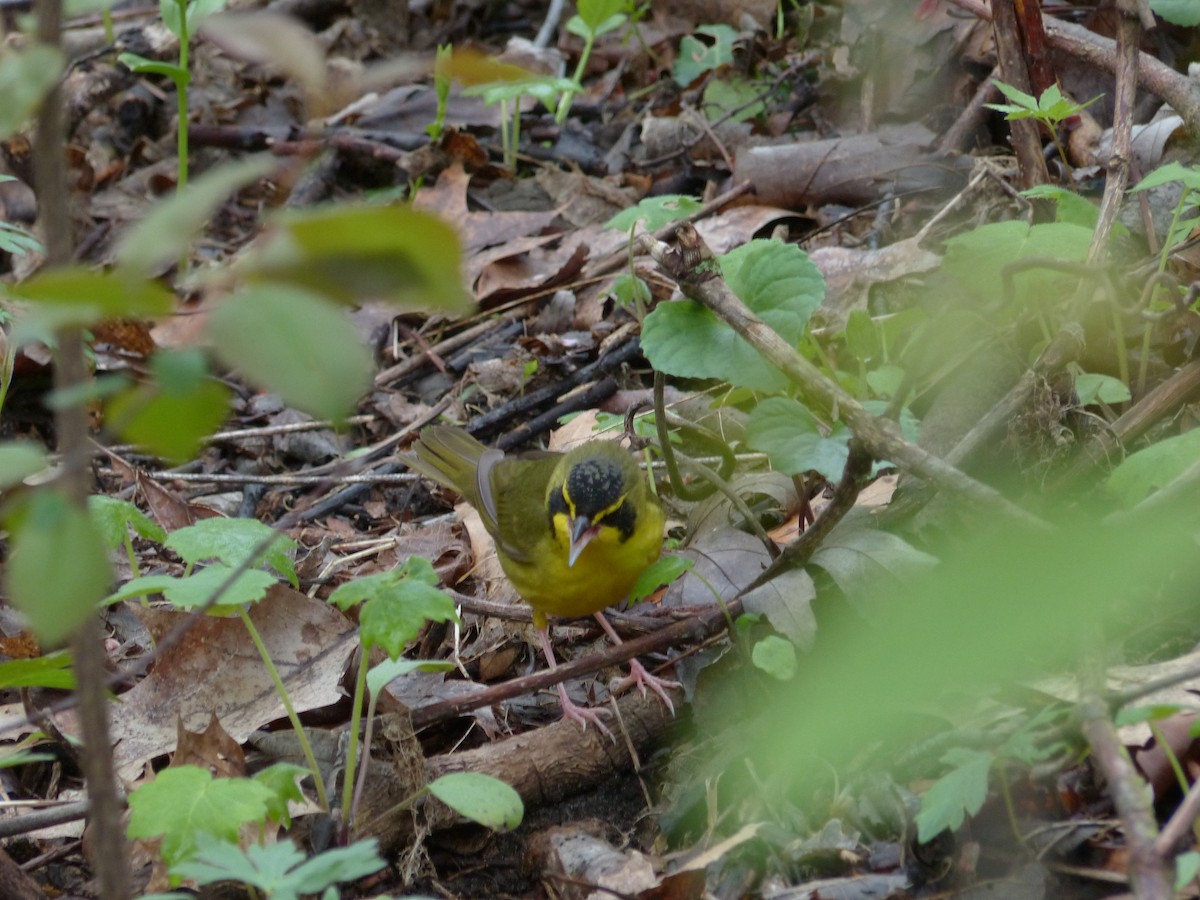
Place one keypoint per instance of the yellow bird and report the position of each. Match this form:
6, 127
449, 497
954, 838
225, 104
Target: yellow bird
573, 530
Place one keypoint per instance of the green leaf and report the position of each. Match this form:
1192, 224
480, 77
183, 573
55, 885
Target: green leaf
977, 258
776, 656
195, 590
1020, 98
389, 670
867, 563
184, 802
171, 226
25, 78
78, 296
1093, 388
199, 10
145, 66
1178, 12
723, 96
50, 671
1136, 715
656, 211
396, 606
480, 798
231, 541
696, 57
282, 779
173, 414
1187, 864
578, 27
777, 281
290, 341
1143, 473
354, 253
596, 13
58, 568
19, 460
795, 440
786, 601
956, 794
1172, 171
16, 240
114, 517
662, 571
279, 870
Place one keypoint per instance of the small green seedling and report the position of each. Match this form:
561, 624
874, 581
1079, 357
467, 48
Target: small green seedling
1050, 109
181, 17
595, 18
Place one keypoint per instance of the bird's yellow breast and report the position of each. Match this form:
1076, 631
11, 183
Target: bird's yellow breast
604, 573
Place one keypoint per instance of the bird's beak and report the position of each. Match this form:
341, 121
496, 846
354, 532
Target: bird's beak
582, 532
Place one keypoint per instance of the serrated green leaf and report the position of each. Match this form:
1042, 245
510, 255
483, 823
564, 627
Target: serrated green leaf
279, 870
355, 253
183, 802
282, 779
172, 224
1172, 171
196, 590
231, 541
777, 281
19, 460
47, 529
292, 342
480, 798
114, 517
395, 608
954, 796
1020, 98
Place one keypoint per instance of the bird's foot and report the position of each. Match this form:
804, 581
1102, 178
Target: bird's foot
582, 715
639, 677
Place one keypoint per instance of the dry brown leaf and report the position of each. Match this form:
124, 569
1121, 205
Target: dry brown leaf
217, 671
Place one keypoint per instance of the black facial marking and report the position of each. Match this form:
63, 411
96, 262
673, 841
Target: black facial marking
624, 520
558, 504
594, 485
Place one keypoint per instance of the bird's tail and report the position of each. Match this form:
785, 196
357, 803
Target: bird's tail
451, 457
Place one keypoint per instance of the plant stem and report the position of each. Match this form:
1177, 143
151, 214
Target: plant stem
360, 688
564, 103
181, 93
281, 690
